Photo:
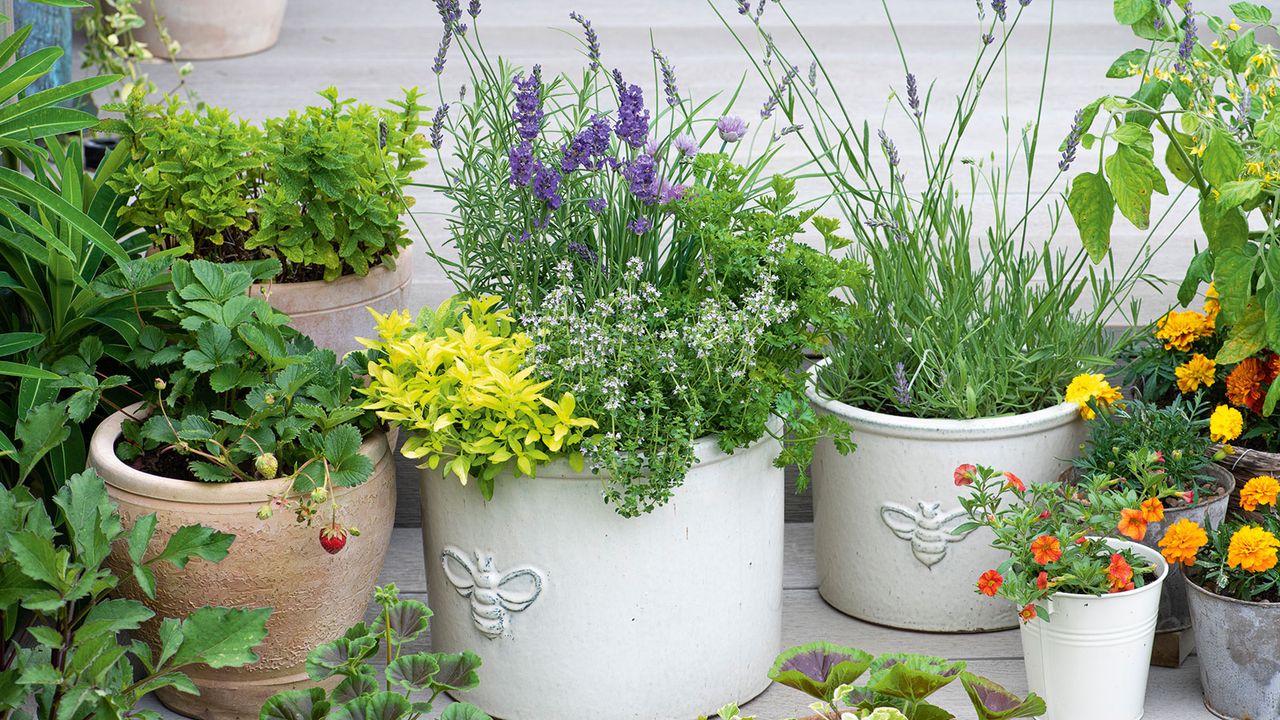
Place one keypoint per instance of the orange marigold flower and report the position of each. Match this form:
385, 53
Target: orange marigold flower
1261, 490
1120, 573
1027, 613
1196, 372
1252, 549
989, 583
1132, 525
1244, 384
1182, 541
1013, 482
1178, 329
964, 474
1046, 549
1152, 510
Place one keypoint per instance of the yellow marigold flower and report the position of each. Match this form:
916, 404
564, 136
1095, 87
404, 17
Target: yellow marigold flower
1261, 490
1194, 373
1252, 549
1091, 386
1180, 328
1182, 541
1225, 424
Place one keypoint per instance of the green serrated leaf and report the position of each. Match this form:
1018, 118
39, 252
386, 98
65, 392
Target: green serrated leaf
1093, 209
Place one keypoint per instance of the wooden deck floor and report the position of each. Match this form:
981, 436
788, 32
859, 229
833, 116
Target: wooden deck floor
1171, 694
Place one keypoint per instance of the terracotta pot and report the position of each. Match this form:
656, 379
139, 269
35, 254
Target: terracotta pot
213, 29
1239, 647
336, 312
276, 563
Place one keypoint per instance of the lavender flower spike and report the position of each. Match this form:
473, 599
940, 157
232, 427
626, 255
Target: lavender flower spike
1188, 44
744, 7
668, 78
1001, 8
901, 386
520, 160
913, 95
437, 125
784, 86
473, 8
639, 226
442, 52
731, 128
527, 114
1072, 142
592, 40
633, 117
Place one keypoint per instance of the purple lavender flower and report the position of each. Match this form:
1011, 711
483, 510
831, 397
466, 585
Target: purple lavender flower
1024, 3
633, 117
642, 178
913, 95
744, 7
813, 74
597, 205
592, 40
527, 114
1072, 142
589, 147
524, 238
901, 386
546, 185
788, 130
668, 77
731, 128
760, 10
768, 49
1188, 44
442, 52
583, 251
783, 87
1000, 7
520, 160
1158, 23
1243, 110
639, 226
473, 8
988, 38
437, 125
890, 150
450, 12
686, 145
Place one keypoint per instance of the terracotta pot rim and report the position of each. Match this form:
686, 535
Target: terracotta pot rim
950, 429
102, 453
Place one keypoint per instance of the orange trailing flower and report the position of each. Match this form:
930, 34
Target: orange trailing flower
1046, 549
1013, 482
1152, 510
1178, 329
1120, 574
1091, 386
1244, 384
1042, 581
1252, 549
1225, 424
1182, 541
1027, 613
1195, 373
1261, 490
989, 583
1132, 524
964, 474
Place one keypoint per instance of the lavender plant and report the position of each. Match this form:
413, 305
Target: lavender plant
967, 321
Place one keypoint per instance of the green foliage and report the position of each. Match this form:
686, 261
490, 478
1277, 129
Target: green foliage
404, 690
1175, 436
112, 47
319, 190
59, 622
240, 396
1219, 570
896, 688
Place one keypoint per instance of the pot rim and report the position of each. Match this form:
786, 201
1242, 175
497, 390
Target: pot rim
119, 474
1225, 479
1162, 569
940, 429
1262, 606
402, 262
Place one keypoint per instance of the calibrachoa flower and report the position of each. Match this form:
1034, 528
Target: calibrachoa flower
1028, 612
1196, 372
1180, 328
964, 474
1132, 524
1182, 541
1261, 490
989, 583
731, 128
1244, 384
1252, 549
1042, 581
1013, 482
1225, 424
1046, 549
1152, 510
1091, 386
1120, 574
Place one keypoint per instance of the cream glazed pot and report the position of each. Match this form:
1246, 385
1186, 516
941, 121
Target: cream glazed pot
213, 29
884, 515
334, 313
578, 612
277, 563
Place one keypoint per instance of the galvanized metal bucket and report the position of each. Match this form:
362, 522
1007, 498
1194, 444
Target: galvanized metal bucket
1239, 647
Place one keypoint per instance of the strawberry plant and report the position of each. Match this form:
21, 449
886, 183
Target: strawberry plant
239, 396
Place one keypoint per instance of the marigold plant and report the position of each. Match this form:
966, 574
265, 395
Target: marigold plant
1236, 559
458, 381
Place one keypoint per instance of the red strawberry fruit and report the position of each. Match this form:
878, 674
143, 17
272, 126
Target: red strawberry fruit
333, 538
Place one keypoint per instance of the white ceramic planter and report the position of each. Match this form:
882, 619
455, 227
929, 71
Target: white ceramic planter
883, 515
1090, 660
213, 29
335, 313
578, 612
276, 563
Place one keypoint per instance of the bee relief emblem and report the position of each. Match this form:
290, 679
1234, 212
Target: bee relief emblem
494, 594
927, 528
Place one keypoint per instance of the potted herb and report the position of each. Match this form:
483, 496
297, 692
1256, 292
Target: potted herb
613, 396
1088, 600
247, 420
971, 332
1232, 585
319, 190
